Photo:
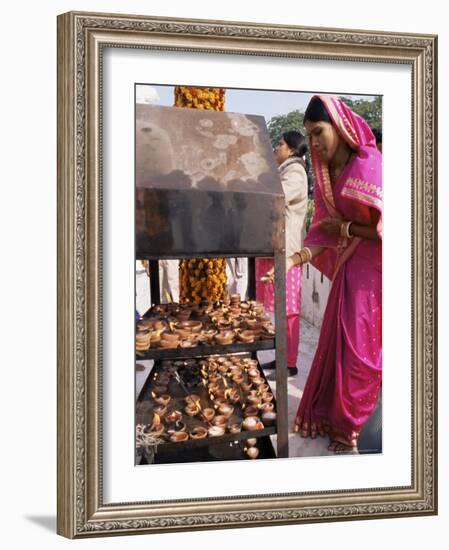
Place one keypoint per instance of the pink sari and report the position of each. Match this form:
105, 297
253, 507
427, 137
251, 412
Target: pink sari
344, 381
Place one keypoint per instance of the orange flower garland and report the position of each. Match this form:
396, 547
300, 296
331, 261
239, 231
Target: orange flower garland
201, 278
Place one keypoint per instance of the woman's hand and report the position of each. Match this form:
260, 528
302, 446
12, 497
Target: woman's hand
289, 263
332, 226
268, 277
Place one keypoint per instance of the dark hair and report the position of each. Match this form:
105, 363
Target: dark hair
316, 111
377, 134
296, 141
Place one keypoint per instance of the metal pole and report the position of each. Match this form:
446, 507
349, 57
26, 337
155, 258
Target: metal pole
281, 354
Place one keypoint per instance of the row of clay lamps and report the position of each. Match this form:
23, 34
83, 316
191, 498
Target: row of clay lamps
241, 322
216, 372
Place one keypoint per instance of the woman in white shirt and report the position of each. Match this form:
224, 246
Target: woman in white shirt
290, 155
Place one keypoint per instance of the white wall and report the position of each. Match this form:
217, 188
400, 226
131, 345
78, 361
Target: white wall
28, 295
314, 294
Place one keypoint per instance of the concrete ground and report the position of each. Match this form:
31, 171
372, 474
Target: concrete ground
299, 446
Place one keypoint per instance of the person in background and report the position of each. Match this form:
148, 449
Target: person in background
378, 135
237, 275
344, 242
290, 155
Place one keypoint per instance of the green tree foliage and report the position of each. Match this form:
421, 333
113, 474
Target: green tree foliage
284, 123
370, 110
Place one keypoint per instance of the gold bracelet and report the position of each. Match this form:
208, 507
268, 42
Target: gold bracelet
344, 230
308, 254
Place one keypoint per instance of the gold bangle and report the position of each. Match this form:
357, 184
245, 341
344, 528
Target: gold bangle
344, 230
308, 254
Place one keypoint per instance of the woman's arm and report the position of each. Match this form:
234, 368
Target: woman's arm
364, 231
333, 226
297, 257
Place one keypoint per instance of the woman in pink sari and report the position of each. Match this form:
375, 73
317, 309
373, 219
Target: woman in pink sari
344, 243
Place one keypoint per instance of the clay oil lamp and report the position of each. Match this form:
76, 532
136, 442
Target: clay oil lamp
257, 333
170, 337
159, 389
234, 395
250, 411
254, 400
173, 417
245, 337
226, 410
212, 366
224, 338
189, 326
178, 437
199, 432
234, 369
244, 306
208, 414
250, 423
163, 399
252, 452
160, 410
168, 344
264, 388
216, 431
224, 325
181, 332
223, 369
143, 340
163, 379
188, 343
251, 322
191, 410
253, 393
221, 393
235, 428
251, 442
193, 399
238, 378
176, 427
213, 387
269, 418
220, 420
183, 315
156, 427
267, 397
159, 326
219, 401
201, 338
209, 334
253, 373
214, 378
258, 381
266, 407
144, 325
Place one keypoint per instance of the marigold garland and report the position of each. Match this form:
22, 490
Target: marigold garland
201, 278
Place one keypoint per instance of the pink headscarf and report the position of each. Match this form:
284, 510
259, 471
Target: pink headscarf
362, 187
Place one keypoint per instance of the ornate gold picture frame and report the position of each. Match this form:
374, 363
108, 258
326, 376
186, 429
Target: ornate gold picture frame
82, 40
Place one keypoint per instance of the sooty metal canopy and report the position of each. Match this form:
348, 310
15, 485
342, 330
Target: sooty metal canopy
206, 184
